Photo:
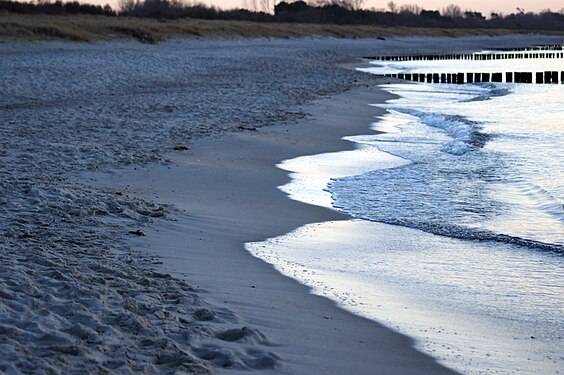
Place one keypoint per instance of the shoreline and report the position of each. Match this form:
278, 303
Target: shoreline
226, 192
376, 253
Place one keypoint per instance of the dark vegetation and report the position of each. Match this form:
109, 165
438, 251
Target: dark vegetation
416, 17
57, 7
340, 12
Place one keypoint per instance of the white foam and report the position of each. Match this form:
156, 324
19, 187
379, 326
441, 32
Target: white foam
311, 174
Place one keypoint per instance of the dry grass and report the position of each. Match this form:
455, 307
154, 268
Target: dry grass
85, 28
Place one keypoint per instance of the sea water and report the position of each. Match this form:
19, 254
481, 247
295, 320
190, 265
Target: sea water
458, 239
486, 163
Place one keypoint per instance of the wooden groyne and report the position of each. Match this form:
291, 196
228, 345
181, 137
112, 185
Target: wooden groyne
552, 77
535, 52
538, 52
473, 56
543, 47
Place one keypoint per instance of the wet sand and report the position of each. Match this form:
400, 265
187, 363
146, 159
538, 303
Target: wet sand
225, 190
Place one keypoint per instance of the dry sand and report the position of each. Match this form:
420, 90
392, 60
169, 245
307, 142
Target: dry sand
226, 192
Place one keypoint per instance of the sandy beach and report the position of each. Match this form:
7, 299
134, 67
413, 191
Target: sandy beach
225, 191
133, 196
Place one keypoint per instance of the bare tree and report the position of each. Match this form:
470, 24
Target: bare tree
410, 8
251, 5
179, 4
393, 7
347, 4
265, 6
356, 4
126, 6
452, 11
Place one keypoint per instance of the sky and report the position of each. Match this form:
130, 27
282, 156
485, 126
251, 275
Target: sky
484, 6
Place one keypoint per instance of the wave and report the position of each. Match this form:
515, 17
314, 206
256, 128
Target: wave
466, 134
465, 233
456, 186
542, 199
493, 90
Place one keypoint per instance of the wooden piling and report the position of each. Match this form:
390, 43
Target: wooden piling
547, 77
537, 52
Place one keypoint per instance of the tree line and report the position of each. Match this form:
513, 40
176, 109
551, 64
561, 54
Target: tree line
340, 12
451, 16
55, 7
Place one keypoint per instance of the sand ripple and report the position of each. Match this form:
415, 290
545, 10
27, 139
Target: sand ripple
74, 296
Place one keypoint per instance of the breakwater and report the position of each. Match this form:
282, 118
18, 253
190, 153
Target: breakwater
553, 77
522, 66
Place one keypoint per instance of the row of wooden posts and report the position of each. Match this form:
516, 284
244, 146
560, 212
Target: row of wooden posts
546, 47
460, 78
473, 56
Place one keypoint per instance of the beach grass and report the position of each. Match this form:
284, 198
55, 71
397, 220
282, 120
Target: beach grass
87, 28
